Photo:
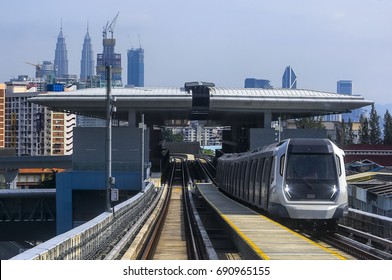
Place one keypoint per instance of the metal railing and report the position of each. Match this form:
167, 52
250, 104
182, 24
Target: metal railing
86, 240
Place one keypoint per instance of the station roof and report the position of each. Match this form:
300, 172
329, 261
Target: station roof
176, 103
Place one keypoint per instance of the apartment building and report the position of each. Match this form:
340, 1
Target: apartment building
2, 115
32, 129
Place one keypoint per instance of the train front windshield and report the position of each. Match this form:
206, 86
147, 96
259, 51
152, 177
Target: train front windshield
311, 177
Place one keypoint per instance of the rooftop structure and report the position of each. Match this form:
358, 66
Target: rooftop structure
225, 103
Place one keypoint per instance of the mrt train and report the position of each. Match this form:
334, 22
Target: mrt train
299, 179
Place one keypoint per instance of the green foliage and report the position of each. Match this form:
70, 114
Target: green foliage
169, 136
310, 123
374, 127
387, 128
349, 132
364, 137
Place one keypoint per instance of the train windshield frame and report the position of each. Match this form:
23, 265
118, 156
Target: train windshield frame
311, 176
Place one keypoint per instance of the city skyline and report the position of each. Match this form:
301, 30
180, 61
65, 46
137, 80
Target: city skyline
224, 43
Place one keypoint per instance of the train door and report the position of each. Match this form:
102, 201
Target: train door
265, 182
257, 188
243, 180
247, 180
238, 180
252, 180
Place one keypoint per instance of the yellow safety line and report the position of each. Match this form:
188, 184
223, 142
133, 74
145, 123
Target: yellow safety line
255, 247
247, 240
305, 238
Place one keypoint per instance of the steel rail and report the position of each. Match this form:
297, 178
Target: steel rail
149, 248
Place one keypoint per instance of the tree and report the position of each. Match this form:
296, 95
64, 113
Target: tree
340, 129
169, 136
350, 132
387, 128
312, 123
374, 127
363, 130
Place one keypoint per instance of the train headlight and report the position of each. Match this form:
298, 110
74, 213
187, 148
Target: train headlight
287, 190
334, 190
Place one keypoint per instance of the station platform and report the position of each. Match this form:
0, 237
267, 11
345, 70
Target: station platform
265, 238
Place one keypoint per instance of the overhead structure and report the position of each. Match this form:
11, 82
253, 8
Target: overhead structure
225, 105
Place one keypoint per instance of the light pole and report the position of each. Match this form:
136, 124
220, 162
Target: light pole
108, 166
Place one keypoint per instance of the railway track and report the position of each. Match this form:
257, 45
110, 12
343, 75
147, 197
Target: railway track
359, 244
187, 229
176, 235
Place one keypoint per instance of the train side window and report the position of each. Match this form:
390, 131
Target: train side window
273, 170
281, 169
264, 182
339, 166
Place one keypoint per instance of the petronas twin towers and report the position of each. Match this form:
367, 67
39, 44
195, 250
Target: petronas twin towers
61, 59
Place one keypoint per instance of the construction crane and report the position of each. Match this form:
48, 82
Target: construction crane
38, 68
109, 27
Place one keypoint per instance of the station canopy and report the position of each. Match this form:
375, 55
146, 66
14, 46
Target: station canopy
225, 104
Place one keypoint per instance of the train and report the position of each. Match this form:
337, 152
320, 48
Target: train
298, 179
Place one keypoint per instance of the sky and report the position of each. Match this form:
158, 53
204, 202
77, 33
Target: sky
219, 41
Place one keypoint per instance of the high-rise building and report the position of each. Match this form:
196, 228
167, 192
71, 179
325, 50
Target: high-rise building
289, 79
257, 83
109, 57
60, 58
345, 87
136, 67
2, 115
27, 129
62, 125
46, 71
87, 62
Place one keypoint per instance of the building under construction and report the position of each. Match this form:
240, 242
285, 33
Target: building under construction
109, 57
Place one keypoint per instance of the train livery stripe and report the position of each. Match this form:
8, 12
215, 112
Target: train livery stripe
247, 240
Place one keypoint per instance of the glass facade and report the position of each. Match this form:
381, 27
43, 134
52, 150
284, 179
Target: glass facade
60, 58
257, 83
289, 79
87, 62
136, 67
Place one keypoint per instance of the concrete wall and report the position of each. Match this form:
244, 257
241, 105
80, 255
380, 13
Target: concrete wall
89, 148
88, 172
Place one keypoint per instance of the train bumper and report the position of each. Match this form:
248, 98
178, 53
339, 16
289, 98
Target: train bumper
312, 211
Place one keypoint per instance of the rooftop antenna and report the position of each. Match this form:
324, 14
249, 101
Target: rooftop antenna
140, 44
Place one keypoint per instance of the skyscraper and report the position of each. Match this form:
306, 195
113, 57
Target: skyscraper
136, 67
257, 83
87, 62
60, 58
345, 87
109, 57
289, 79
